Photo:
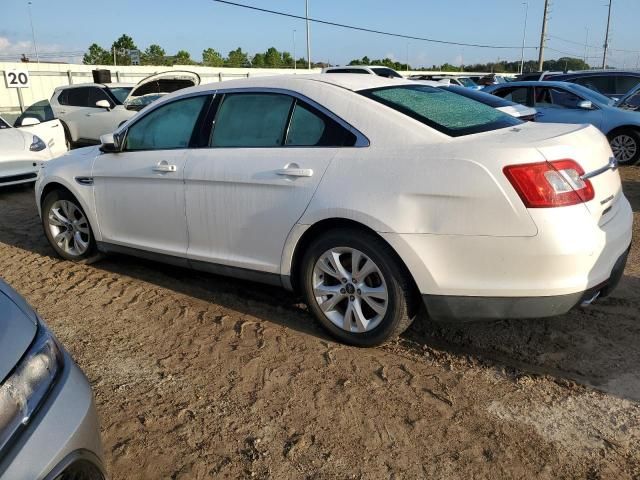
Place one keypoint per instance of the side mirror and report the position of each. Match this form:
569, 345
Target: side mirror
109, 143
28, 121
103, 104
585, 105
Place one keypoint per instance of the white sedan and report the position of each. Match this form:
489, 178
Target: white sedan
367, 195
21, 154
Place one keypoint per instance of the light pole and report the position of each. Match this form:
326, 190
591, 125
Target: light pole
295, 62
586, 46
606, 39
308, 36
524, 34
33, 33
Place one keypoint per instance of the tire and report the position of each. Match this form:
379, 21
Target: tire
625, 144
368, 311
63, 215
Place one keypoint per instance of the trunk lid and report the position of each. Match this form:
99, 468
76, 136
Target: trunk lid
18, 326
157, 85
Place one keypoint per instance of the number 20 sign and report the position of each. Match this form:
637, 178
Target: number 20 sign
17, 78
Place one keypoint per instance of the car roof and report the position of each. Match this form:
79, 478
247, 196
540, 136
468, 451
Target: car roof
77, 85
534, 83
604, 73
349, 81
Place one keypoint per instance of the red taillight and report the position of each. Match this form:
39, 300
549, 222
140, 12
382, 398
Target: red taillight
550, 184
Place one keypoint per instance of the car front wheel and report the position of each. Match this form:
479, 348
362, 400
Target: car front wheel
625, 145
356, 287
67, 227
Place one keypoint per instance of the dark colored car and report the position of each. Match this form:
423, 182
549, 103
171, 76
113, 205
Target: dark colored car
612, 83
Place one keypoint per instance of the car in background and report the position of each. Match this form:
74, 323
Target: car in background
48, 422
39, 120
514, 109
460, 81
378, 70
563, 102
90, 110
631, 101
21, 155
611, 83
535, 76
368, 195
491, 79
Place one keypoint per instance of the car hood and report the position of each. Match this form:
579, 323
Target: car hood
12, 140
18, 327
159, 84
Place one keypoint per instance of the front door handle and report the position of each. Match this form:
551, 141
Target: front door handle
164, 167
295, 172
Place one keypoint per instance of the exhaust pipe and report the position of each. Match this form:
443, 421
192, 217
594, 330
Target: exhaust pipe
590, 300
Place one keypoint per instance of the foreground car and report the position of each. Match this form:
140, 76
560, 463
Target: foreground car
365, 194
562, 102
48, 423
21, 154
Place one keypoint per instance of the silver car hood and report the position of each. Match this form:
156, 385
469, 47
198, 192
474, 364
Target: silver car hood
18, 326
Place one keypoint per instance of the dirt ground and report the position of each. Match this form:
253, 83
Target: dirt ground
198, 376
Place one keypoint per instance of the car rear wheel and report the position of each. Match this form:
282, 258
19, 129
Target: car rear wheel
356, 287
625, 145
67, 227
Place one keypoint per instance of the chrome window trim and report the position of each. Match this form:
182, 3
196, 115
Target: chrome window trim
361, 140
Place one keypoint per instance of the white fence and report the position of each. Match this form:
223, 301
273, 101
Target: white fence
45, 77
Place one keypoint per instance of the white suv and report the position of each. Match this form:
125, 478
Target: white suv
90, 110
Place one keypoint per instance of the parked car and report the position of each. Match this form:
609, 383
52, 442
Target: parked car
631, 101
611, 83
562, 102
458, 80
491, 79
48, 422
365, 69
514, 109
90, 110
365, 194
39, 120
21, 155
536, 76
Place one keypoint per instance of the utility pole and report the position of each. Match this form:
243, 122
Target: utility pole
586, 46
606, 39
524, 34
308, 36
33, 33
115, 64
295, 62
543, 35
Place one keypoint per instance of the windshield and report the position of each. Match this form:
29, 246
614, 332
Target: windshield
467, 82
480, 96
121, 93
447, 112
386, 72
631, 101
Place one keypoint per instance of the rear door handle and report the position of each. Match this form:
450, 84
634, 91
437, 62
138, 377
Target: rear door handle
295, 172
164, 167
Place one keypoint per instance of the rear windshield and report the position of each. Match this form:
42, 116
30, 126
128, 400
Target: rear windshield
447, 112
467, 82
386, 72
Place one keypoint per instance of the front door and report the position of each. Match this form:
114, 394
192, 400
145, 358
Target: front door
267, 154
557, 105
139, 192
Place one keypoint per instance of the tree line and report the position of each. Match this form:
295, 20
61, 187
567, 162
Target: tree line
273, 58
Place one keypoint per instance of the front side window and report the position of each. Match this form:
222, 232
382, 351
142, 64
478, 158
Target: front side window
556, 98
624, 84
120, 93
516, 94
3, 124
602, 84
78, 97
167, 127
97, 94
447, 112
41, 110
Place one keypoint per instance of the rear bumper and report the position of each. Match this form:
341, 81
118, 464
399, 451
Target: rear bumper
465, 309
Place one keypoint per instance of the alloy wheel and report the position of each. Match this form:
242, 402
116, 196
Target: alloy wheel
624, 147
69, 227
350, 289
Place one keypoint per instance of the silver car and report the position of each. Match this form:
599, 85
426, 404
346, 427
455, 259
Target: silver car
48, 423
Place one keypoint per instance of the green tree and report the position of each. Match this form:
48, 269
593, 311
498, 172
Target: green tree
212, 58
183, 58
287, 60
96, 55
122, 46
258, 60
272, 58
153, 55
237, 58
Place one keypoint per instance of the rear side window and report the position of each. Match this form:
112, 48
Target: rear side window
447, 112
167, 127
386, 72
349, 70
625, 83
63, 98
250, 120
516, 94
602, 84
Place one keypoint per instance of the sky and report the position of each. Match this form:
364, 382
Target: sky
70, 26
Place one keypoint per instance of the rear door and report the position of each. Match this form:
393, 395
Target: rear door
244, 193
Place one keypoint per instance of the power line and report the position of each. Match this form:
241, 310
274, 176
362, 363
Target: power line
368, 30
